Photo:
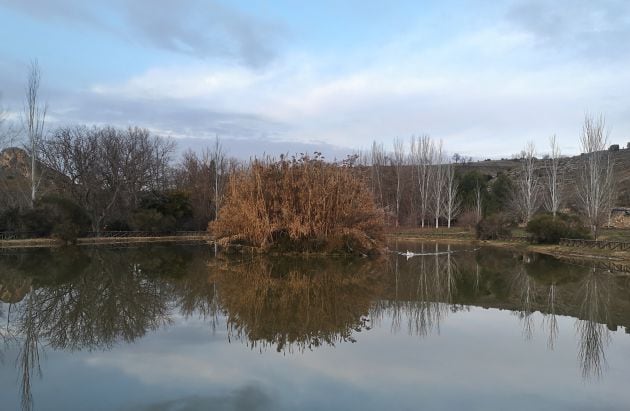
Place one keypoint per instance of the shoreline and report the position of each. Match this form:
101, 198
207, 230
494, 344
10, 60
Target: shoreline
55, 243
558, 251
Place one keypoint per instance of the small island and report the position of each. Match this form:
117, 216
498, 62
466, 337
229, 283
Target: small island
302, 204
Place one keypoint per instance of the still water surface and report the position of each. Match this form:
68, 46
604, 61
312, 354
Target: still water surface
173, 328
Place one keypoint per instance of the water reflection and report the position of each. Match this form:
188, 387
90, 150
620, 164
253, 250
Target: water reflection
550, 322
74, 300
523, 286
424, 291
594, 335
295, 303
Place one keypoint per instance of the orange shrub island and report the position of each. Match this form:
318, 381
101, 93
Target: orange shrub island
300, 205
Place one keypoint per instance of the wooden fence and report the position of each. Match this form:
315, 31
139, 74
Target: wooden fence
606, 265
140, 234
26, 235
21, 235
608, 245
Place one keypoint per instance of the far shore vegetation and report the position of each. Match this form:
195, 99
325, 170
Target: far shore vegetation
74, 181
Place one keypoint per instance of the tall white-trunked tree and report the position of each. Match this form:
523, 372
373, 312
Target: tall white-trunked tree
595, 185
34, 119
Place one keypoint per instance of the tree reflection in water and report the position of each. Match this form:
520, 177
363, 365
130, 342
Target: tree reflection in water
523, 286
585, 293
93, 299
594, 335
110, 298
426, 286
550, 322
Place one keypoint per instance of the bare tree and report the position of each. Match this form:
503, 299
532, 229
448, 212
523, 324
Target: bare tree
550, 319
218, 159
74, 153
34, 120
143, 161
478, 203
453, 201
555, 174
105, 170
195, 176
398, 161
413, 193
438, 179
422, 153
3, 135
595, 188
204, 176
594, 336
378, 161
528, 185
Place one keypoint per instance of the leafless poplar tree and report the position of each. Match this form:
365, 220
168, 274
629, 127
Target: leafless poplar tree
555, 174
413, 194
453, 202
204, 177
528, 185
363, 157
378, 161
595, 181
219, 161
438, 178
34, 120
422, 153
398, 161
478, 203
3, 135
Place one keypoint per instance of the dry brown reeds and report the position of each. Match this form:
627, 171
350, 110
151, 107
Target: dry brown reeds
301, 204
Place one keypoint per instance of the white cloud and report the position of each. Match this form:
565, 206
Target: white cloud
491, 87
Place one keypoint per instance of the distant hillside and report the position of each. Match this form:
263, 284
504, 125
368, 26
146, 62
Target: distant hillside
512, 167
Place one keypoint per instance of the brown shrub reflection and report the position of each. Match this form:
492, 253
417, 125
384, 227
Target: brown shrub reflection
298, 303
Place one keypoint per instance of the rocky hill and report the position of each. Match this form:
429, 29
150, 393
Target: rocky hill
15, 178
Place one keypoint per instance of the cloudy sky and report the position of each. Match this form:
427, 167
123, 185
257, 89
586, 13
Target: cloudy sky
484, 76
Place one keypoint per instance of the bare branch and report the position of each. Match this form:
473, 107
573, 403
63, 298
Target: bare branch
528, 185
555, 178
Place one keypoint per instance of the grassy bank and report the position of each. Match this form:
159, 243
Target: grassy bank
463, 235
51, 242
565, 252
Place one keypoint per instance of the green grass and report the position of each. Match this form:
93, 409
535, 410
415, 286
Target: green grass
413, 232
615, 234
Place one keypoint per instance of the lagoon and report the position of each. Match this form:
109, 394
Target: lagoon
176, 328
